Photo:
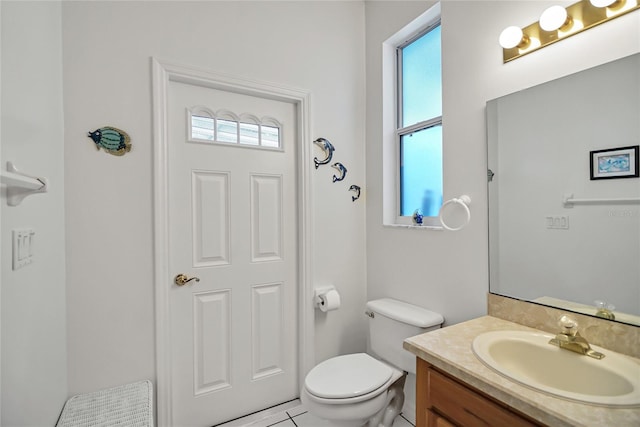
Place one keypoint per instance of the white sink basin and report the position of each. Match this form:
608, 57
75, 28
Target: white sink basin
528, 358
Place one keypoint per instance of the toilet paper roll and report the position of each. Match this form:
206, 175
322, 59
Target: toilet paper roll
329, 301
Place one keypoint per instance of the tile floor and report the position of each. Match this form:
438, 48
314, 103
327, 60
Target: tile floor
291, 414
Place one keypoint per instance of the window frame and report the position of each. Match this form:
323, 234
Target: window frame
399, 48
400, 131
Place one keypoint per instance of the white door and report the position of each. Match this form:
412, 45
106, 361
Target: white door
233, 225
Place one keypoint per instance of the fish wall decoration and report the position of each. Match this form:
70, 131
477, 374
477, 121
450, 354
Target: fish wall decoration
112, 140
328, 149
356, 189
343, 171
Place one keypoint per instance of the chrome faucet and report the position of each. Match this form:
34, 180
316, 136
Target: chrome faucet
569, 339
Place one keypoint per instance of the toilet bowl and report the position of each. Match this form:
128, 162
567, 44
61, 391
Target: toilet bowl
359, 389
354, 389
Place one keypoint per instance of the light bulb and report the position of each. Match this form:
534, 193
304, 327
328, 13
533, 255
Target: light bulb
603, 3
553, 18
511, 37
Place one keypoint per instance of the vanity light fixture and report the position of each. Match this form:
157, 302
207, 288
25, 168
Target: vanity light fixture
557, 23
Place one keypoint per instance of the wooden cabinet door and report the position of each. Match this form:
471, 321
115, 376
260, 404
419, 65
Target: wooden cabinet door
443, 401
435, 420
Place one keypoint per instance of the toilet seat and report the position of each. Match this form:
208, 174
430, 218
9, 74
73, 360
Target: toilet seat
348, 376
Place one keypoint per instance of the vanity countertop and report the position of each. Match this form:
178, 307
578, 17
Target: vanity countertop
449, 349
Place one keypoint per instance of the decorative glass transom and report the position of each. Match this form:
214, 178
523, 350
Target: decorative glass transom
228, 128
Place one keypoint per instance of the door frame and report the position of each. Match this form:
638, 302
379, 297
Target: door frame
164, 72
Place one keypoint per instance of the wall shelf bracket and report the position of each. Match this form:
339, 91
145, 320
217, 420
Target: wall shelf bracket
20, 185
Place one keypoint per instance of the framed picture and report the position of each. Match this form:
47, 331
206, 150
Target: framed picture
614, 163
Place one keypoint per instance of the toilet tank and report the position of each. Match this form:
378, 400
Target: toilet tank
390, 322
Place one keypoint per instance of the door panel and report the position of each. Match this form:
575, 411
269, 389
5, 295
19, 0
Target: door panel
211, 246
211, 341
267, 330
266, 218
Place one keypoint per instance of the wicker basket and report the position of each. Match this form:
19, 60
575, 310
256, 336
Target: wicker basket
129, 405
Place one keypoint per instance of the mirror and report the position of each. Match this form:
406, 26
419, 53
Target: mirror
568, 255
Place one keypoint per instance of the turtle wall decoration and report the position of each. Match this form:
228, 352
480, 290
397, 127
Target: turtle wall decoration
112, 140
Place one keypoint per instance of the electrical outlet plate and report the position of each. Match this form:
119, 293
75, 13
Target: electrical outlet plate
23, 240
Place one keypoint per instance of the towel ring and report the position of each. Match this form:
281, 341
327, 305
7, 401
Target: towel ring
463, 201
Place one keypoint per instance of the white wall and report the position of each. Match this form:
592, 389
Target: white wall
447, 271
34, 364
418, 266
316, 46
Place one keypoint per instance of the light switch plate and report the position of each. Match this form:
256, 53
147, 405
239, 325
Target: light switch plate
557, 222
23, 245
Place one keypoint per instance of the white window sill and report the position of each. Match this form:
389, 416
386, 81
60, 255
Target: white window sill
414, 227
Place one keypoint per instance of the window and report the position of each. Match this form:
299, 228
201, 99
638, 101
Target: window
418, 136
225, 127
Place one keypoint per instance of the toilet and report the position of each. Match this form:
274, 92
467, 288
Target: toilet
359, 389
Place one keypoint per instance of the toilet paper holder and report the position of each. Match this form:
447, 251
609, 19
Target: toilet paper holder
319, 294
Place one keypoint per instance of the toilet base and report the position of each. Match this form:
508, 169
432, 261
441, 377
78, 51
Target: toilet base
388, 414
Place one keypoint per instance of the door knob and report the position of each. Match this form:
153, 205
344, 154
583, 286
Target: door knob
182, 279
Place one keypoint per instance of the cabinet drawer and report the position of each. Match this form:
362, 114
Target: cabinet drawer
465, 407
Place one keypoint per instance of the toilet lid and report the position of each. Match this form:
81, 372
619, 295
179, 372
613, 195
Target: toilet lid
347, 376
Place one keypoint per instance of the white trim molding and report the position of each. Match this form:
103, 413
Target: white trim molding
164, 72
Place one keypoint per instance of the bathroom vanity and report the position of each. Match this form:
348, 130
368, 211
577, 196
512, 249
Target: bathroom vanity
455, 388
439, 393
